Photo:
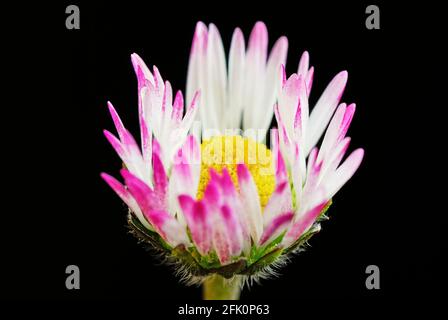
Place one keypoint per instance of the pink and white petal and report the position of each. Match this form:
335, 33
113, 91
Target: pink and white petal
280, 201
117, 121
187, 166
314, 170
191, 113
255, 74
297, 178
129, 154
168, 228
324, 109
116, 144
142, 193
146, 136
250, 201
277, 58
197, 219
302, 224
135, 158
221, 242
276, 227
185, 174
231, 198
281, 173
160, 178
304, 63
331, 135
335, 182
258, 44
127, 198
178, 108
212, 194
227, 185
275, 148
159, 84
140, 66
348, 117
334, 159
288, 103
197, 54
233, 229
304, 111
151, 113
309, 80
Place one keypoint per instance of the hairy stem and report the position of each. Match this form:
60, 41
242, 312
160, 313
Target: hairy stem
216, 287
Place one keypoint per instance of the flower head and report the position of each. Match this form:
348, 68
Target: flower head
221, 201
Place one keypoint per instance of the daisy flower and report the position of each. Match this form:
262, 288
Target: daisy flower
217, 202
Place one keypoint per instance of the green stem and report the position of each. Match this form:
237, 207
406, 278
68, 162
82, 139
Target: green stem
216, 287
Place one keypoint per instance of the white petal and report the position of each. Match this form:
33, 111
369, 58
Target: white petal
236, 80
325, 106
343, 173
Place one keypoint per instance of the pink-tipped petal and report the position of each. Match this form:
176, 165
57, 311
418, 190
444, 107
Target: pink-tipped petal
198, 221
258, 43
168, 227
142, 193
191, 112
158, 80
348, 117
127, 198
167, 99
280, 201
283, 76
196, 61
212, 194
156, 149
344, 172
178, 107
302, 224
146, 136
277, 58
337, 129
143, 73
250, 202
331, 163
226, 184
304, 64
233, 229
276, 227
281, 173
221, 243
199, 39
117, 121
324, 109
116, 144
309, 81
160, 178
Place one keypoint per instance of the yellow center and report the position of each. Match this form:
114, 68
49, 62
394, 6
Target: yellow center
227, 151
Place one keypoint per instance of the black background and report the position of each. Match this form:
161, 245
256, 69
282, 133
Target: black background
59, 212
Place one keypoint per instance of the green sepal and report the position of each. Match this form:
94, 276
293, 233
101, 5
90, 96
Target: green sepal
263, 262
312, 231
146, 236
227, 271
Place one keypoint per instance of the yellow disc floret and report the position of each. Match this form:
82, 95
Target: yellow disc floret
227, 151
